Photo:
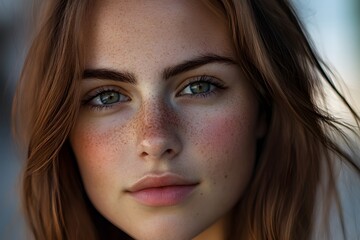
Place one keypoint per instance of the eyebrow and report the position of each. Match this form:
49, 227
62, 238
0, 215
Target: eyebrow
127, 77
108, 74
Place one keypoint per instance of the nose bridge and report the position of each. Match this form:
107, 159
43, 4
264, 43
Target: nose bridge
156, 126
153, 115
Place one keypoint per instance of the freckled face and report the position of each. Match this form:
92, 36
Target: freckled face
146, 113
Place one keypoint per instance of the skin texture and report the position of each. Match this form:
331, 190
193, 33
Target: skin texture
160, 128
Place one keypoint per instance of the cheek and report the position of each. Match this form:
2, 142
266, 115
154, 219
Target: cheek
226, 143
219, 133
97, 147
226, 134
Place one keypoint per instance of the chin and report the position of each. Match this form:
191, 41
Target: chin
166, 232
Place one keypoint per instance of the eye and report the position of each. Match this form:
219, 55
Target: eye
201, 86
105, 97
198, 88
108, 97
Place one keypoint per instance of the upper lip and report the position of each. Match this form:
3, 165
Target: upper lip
160, 180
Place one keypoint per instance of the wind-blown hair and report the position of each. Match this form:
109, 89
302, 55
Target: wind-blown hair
275, 55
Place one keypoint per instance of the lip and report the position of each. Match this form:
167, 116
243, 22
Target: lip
162, 190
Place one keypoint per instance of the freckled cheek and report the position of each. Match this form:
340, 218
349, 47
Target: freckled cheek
98, 144
226, 142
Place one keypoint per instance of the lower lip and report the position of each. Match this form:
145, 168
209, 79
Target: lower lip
163, 196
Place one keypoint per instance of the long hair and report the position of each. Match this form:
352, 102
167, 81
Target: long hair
276, 56
274, 53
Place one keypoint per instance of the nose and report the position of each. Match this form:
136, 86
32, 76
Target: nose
157, 133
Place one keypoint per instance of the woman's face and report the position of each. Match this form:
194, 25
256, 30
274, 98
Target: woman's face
166, 135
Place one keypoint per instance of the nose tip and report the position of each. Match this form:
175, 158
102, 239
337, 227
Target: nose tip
158, 148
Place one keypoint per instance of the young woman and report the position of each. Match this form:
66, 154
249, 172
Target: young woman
175, 120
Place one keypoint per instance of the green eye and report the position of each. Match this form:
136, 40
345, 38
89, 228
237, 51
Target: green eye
107, 98
200, 87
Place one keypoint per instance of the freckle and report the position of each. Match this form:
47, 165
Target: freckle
120, 135
161, 116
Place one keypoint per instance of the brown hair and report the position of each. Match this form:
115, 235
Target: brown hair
275, 55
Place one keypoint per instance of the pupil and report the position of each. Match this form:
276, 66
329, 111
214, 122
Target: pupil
108, 98
200, 87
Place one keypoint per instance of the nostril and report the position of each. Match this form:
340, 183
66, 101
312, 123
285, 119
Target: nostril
157, 154
144, 154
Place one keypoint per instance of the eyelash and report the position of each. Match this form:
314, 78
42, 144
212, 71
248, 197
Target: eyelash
203, 79
216, 84
97, 93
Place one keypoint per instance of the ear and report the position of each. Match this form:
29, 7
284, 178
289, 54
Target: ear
262, 124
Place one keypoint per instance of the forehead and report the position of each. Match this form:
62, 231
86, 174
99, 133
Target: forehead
144, 32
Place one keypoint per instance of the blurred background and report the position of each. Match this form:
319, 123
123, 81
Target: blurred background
332, 24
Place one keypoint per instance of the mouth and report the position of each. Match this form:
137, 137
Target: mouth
162, 190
